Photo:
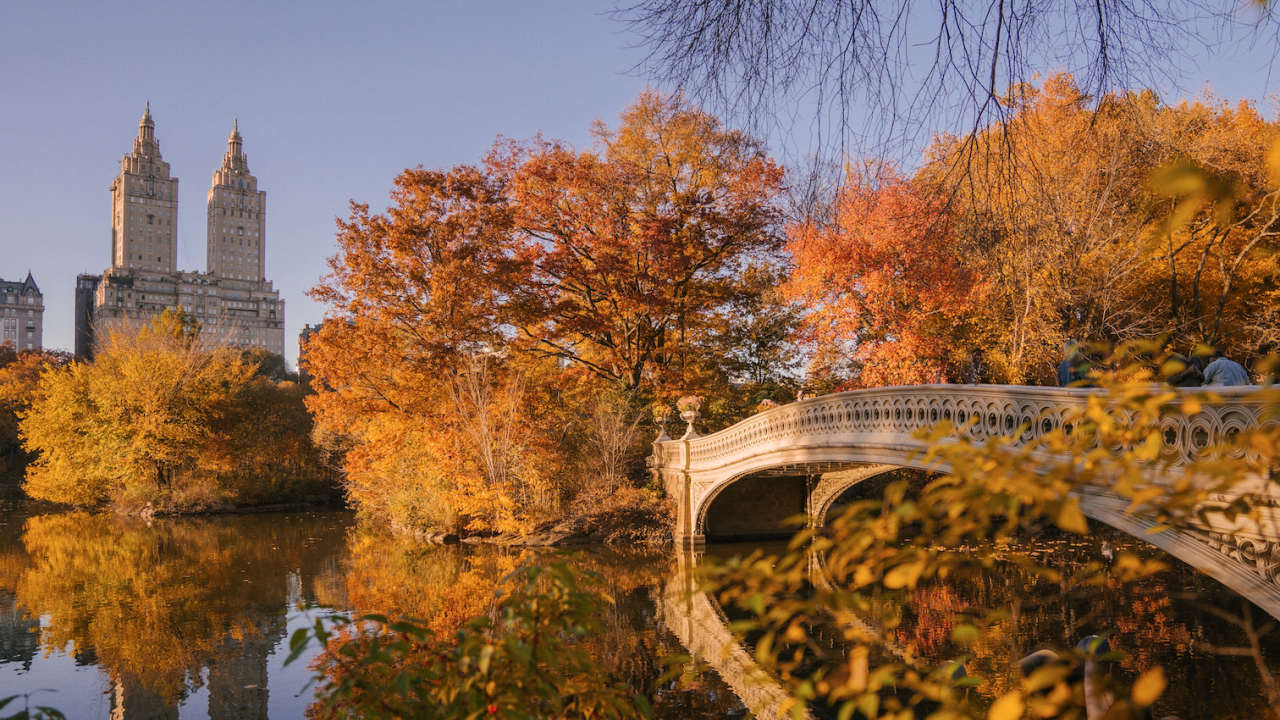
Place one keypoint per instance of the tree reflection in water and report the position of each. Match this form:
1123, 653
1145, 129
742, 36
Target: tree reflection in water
445, 585
197, 605
168, 607
1158, 620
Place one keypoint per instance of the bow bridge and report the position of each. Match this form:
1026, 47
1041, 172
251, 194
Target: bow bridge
744, 481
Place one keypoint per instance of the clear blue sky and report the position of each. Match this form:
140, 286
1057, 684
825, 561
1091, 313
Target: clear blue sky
333, 101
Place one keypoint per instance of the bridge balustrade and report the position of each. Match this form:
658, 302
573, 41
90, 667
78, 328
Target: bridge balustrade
799, 457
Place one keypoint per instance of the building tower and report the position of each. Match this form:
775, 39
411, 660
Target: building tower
144, 206
237, 217
233, 301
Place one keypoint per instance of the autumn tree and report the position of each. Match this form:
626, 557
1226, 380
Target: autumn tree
636, 243
1078, 246
753, 334
478, 327
885, 281
411, 362
161, 416
19, 377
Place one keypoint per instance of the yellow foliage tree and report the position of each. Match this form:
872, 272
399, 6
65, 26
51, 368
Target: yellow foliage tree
1076, 242
162, 416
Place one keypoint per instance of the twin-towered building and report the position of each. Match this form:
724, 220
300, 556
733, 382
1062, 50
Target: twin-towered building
232, 299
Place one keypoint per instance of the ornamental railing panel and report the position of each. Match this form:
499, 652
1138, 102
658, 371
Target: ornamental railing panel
890, 416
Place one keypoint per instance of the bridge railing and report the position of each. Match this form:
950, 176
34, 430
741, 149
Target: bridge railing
891, 415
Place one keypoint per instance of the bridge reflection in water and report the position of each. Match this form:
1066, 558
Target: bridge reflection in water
1155, 621
747, 479
700, 625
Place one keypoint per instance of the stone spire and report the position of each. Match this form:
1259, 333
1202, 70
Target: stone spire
234, 160
145, 144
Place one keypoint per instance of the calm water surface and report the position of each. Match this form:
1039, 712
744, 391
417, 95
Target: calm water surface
190, 618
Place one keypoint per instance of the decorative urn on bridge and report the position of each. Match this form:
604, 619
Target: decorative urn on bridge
662, 416
689, 406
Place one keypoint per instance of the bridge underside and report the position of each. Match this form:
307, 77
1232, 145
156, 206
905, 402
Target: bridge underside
766, 504
756, 507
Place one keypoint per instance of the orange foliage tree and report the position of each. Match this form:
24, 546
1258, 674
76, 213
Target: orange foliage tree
410, 362
476, 327
637, 242
885, 281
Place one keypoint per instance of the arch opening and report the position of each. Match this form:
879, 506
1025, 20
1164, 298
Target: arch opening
755, 507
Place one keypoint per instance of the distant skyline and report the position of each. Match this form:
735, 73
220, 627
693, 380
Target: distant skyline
333, 101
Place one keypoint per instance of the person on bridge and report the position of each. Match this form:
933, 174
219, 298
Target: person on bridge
1190, 375
1225, 372
1069, 368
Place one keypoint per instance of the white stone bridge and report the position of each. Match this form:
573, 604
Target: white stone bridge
745, 480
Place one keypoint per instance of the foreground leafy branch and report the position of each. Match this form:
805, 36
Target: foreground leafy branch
528, 663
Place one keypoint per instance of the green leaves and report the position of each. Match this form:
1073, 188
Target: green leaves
39, 712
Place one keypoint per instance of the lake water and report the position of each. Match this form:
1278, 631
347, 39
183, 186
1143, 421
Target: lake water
190, 617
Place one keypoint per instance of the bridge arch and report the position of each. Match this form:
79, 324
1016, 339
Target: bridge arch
727, 480
756, 503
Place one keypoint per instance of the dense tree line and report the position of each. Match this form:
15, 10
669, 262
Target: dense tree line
1129, 219
502, 326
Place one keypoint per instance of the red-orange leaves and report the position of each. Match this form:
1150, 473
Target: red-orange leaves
637, 241
413, 289
884, 280
434, 266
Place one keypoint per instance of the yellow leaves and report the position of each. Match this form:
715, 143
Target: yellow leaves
795, 633
1273, 164
1149, 447
1191, 406
1128, 567
764, 650
1148, 687
165, 418
1193, 186
863, 575
1009, 707
905, 575
1071, 519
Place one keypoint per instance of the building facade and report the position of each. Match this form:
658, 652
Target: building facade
86, 291
231, 298
22, 314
